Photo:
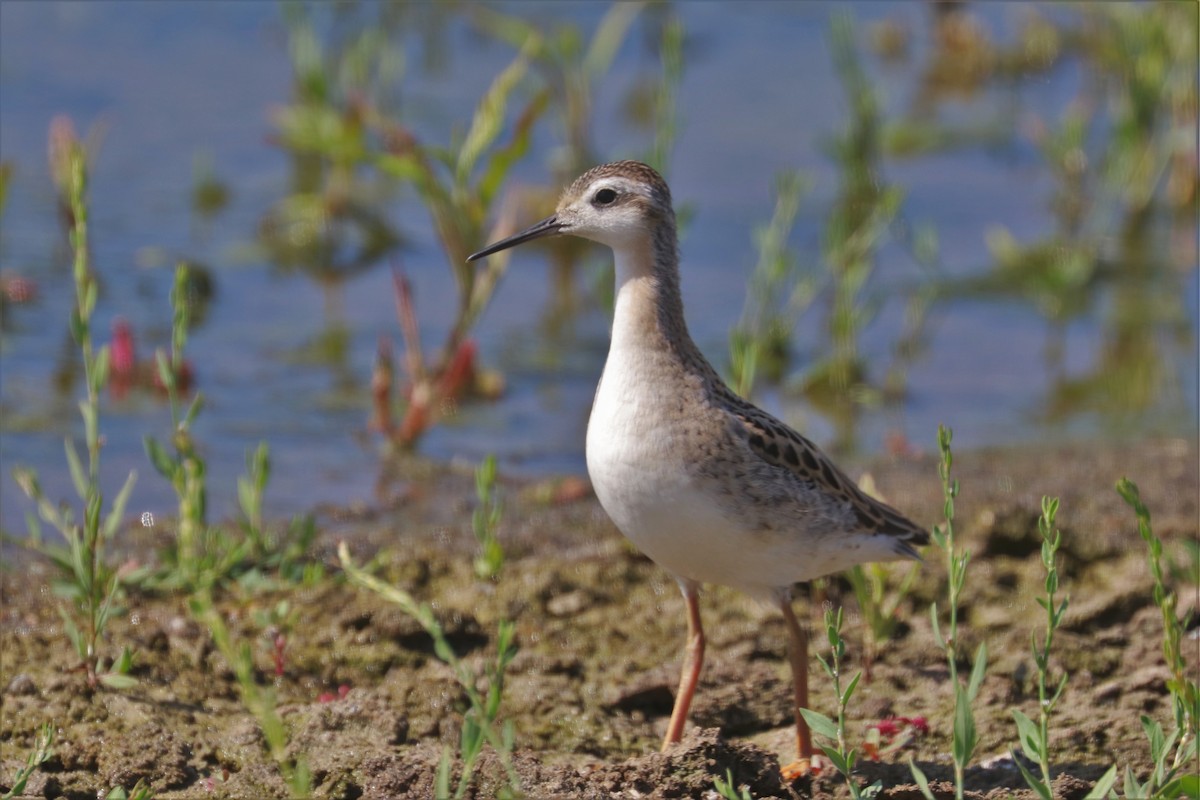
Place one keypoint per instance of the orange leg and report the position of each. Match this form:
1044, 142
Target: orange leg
798, 655
692, 662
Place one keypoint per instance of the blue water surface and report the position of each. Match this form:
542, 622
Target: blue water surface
155, 86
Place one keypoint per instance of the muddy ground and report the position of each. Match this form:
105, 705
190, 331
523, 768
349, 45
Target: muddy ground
600, 631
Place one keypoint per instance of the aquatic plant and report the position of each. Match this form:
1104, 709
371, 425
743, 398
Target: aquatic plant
460, 186
210, 194
6, 173
665, 119
330, 225
864, 211
571, 69
779, 292
1124, 192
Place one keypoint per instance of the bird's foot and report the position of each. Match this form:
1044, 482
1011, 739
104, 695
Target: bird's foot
810, 767
798, 769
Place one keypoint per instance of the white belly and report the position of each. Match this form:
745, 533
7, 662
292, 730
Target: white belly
644, 457
638, 461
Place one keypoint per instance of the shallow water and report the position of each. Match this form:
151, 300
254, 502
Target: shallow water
164, 83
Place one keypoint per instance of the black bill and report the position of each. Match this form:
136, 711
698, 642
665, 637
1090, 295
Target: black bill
547, 227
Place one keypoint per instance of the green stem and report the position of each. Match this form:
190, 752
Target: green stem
1051, 539
85, 299
955, 566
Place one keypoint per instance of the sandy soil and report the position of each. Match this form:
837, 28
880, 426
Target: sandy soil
600, 631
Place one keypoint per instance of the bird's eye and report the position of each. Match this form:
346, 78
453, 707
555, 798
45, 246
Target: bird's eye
604, 197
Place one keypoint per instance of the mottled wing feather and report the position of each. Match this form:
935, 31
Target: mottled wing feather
779, 445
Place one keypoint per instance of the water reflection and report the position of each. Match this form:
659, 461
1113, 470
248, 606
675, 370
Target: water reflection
333, 223
1124, 186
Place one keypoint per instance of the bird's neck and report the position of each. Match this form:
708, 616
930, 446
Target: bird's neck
648, 312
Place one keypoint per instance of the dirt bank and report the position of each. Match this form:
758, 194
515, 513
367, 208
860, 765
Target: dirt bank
600, 632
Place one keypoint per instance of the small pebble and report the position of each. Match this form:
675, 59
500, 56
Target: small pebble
21, 684
567, 604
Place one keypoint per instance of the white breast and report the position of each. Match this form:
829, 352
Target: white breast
639, 462
631, 460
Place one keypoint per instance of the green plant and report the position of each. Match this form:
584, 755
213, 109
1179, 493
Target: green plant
42, 750
460, 186
1168, 778
6, 173
284, 550
204, 555
486, 519
779, 293
1124, 190
480, 721
1035, 737
725, 787
210, 195
877, 605
666, 123
964, 734
840, 754
140, 791
330, 224
88, 585
1171, 752
198, 553
864, 208
570, 67
276, 623
250, 489
1141, 55
260, 700
1102, 789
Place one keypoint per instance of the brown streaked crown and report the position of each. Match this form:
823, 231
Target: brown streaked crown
657, 190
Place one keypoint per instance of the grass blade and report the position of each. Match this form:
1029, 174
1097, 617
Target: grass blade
1027, 731
1033, 782
76, 466
489, 116
922, 781
977, 672
118, 506
1102, 789
965, 736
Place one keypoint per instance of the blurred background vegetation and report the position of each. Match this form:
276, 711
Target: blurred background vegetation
981, 213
